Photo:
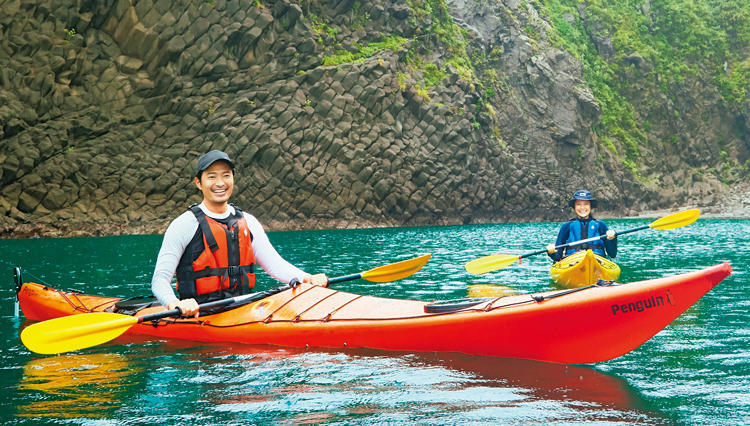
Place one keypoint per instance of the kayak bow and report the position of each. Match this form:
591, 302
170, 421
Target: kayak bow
583, 268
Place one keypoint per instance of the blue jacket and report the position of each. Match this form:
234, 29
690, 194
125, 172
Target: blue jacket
580, 229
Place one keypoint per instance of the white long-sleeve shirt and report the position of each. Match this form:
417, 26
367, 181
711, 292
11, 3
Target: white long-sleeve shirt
181, 231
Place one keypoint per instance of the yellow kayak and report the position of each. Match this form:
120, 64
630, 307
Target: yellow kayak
583, 268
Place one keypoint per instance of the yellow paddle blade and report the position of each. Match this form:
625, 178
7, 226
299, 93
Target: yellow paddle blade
491, 263
396, 271
75, 332
676, 220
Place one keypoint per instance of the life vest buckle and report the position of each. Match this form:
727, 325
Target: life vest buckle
233, 271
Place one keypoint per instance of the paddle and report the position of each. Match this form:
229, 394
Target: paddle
495, 262
75, 332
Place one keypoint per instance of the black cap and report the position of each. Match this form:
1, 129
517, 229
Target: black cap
205, 160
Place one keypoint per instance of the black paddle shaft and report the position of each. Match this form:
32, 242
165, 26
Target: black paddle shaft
575, 243
245, 298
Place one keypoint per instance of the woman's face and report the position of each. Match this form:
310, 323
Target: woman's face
583, 208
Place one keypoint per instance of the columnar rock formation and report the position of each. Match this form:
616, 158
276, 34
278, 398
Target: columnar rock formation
104, 109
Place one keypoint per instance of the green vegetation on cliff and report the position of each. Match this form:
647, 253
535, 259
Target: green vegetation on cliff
444, 29
364, 51
632, 52
664, 43
618, 120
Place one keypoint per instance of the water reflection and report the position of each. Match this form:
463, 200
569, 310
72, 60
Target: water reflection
300, 385
74, 385
543, 380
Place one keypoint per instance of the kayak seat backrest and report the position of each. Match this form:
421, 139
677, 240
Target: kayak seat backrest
134, 304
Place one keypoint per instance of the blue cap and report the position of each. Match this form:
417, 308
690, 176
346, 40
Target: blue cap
583, 195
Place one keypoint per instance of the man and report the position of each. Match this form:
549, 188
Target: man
582, 227
213, 247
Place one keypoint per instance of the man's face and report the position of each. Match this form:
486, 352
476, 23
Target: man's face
583, 208
216, 183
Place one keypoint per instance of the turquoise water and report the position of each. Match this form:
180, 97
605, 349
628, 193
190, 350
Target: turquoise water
696, 371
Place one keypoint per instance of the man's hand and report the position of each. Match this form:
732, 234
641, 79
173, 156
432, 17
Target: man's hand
551, 248
611, 234
317, 279
188, 307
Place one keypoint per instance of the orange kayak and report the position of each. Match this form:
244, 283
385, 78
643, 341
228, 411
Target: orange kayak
583, 325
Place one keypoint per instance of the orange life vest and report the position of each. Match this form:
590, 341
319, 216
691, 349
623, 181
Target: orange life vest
218, 262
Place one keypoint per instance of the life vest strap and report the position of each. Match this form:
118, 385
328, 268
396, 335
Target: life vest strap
187, 272
205, 227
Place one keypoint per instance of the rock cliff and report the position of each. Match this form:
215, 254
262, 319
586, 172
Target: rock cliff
336, 113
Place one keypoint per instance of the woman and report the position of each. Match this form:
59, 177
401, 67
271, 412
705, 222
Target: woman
582, 227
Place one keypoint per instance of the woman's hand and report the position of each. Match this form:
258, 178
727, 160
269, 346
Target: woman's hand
611, 234
551, 248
